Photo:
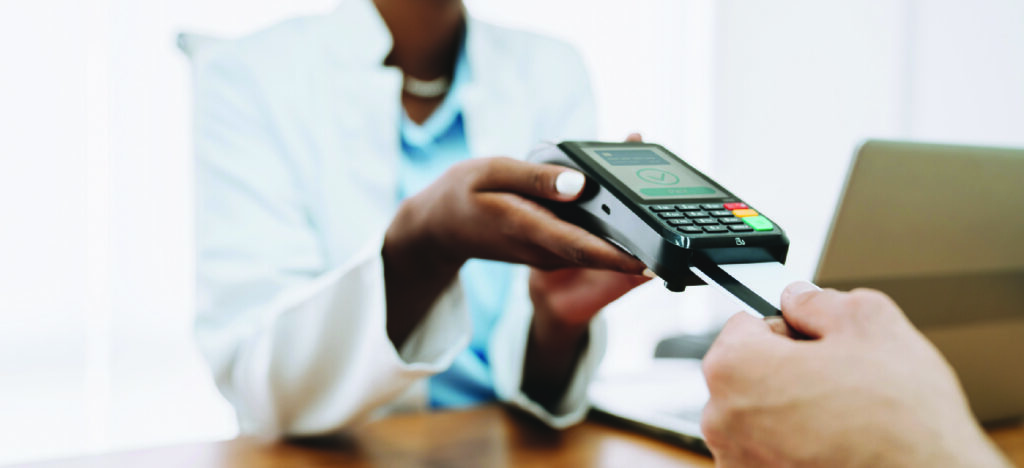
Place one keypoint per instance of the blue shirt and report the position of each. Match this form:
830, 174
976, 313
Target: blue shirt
427, 151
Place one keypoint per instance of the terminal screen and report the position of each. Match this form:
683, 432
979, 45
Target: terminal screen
651, 174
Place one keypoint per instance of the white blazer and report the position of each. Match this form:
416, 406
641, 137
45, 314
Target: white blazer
297, 149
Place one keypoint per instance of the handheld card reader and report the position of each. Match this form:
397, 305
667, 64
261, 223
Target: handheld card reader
684, 226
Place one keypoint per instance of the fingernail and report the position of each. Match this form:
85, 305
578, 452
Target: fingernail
648, 273
569, 183
798, 288
777, 324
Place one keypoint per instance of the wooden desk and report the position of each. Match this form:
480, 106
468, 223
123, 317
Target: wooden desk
484, 437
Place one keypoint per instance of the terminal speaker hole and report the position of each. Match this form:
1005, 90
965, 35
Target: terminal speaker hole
606, 209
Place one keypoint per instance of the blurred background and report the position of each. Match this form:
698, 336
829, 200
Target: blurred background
96, 269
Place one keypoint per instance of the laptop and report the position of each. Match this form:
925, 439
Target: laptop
940, 228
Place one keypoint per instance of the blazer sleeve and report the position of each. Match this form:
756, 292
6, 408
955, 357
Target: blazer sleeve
298, 346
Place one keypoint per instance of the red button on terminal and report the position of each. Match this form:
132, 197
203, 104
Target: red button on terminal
735, 206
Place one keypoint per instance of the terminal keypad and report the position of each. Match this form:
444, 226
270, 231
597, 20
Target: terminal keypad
712, 218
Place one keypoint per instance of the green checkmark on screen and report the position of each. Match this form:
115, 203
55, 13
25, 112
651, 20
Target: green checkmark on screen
657, 176
652, 173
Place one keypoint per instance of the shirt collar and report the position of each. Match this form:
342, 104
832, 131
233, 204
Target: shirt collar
446, 114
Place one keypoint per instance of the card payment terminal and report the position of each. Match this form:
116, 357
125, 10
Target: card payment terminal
684, 226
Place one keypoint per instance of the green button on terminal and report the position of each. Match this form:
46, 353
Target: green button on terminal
759, 223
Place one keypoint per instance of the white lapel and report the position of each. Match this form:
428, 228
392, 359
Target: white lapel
364, 93
495, 101
361, 104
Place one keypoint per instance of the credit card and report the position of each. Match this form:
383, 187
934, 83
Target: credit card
757, 286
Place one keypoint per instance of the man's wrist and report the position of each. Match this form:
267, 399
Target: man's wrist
963, 445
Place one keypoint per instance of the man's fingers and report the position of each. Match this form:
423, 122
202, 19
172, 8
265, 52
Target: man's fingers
634, 137
818, 313
743, 325
737, 346
810, 311
777, 325
529, 179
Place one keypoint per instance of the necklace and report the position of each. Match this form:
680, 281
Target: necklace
426, 89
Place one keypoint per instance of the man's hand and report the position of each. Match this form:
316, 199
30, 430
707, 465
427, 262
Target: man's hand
484, 208
864, 389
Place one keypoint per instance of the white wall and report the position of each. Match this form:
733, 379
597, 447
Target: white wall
43, 216
798, 83
965, 79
